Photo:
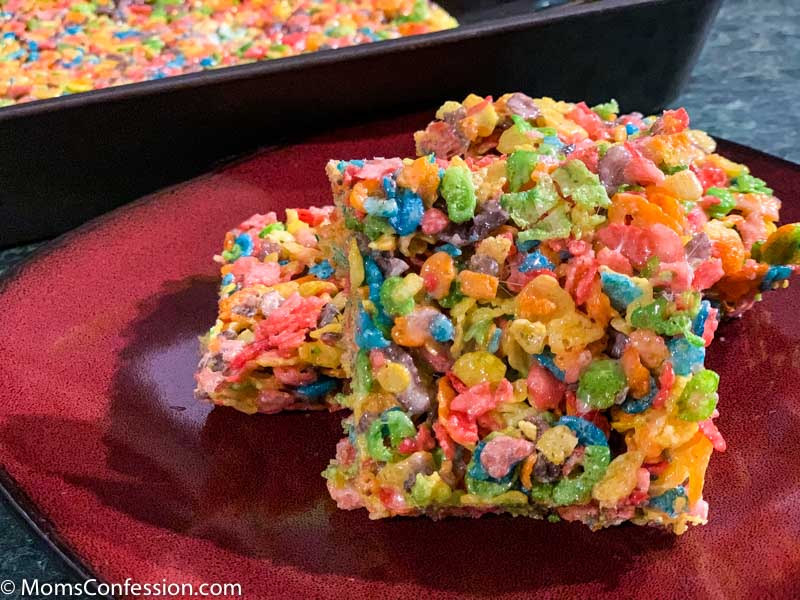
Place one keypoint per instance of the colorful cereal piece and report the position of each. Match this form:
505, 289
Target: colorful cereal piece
601, 383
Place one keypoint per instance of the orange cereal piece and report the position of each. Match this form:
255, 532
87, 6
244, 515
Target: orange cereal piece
421, 176
478, 285
405, 333
729, 245
437, 274
650, 347
635, 372
632, 209
598, 306
358, 195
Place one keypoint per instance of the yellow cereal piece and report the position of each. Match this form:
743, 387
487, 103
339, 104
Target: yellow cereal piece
515, 354
356, 262
387, 242
447, 107
702, 140
293, 222
317, 288
520, 387
275, 361
489, 181
320, 354
329, 328
495, 247
528, 429
684, 185
572, 331
529, 335
472, 100
286, 288
557, 443
479, 367
731, 168
512, 498
619, 480
393, 377
514, 138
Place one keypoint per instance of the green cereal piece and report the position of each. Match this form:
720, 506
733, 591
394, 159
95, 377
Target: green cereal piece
601, 383
362, 378
579, 490
375, 227
542, 493
606, 110
270, 228
726, 202
430, 489
397, 294
555, 225
526, 208
577, 182
747, 184
656, 316
699, 398
458, 193
487, 489
393, 424
519, 167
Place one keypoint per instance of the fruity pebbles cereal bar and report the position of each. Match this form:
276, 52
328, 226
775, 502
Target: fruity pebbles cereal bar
54, 47
275, 344
530, 304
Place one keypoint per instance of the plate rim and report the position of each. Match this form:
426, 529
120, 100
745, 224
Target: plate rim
13, 493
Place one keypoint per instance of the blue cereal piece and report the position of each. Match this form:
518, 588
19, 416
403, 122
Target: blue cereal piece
441, 328
228, 279
620, 289
666, 501
317, 388
374, 278
775, 274
527, 245
410, 209
686, 357
494, 343
547, 360
389, 186
535, 261
699, 323
245, 242
449, 249
631, 129
588, 433
381, 207
634, 406
322, 269
368, 336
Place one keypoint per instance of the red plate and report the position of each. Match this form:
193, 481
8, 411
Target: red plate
103, 443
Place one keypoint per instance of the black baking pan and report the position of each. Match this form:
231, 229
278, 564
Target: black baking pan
66, 160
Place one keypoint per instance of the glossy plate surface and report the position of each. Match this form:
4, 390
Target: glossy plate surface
102, 442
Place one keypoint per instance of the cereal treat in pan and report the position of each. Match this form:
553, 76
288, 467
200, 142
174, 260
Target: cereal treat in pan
276, 342
526, 329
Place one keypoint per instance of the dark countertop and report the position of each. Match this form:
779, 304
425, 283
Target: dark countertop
745, 88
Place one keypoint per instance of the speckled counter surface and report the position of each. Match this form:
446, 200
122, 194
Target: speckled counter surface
745, 87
